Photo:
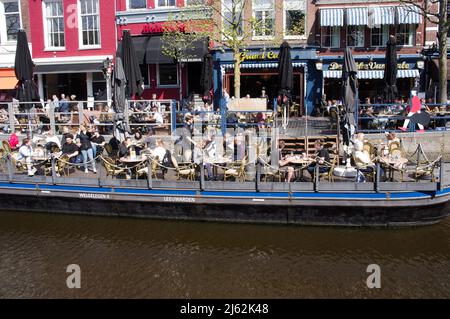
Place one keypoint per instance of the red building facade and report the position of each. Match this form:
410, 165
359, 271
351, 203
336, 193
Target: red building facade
71, 38
162, 75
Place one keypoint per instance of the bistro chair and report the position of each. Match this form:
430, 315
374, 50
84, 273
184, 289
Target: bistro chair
422, 171
237, 170
18, 164
186, 170
6, 147
111, 168
329, 173
394, 146
143, 171
334, 118
61, 166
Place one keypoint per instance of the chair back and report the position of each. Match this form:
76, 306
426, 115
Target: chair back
6, 147
333, 113
394, 146
108, 163
368, 147
61, 163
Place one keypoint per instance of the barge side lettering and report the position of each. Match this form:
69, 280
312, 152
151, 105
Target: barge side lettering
179, 199
94, 196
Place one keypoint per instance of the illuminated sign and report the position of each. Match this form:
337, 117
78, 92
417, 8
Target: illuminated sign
368, 66
248, 56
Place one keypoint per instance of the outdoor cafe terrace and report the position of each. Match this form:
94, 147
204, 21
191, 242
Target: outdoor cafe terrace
243, 154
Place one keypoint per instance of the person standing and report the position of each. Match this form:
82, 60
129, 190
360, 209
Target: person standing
416, 105
86, 148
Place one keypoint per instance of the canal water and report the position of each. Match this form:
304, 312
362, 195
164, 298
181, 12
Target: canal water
127, 258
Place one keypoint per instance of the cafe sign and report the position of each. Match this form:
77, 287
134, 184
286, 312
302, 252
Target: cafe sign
249, 56
368, 66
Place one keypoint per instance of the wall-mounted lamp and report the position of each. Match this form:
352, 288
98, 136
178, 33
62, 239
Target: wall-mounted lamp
420, 64
319, 64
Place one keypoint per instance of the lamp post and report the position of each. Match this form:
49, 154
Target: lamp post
107, 71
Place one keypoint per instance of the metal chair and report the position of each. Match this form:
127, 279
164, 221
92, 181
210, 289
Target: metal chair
186, 170
237, 170
329, 173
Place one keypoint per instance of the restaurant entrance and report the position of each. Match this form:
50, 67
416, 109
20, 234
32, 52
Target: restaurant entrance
253, 82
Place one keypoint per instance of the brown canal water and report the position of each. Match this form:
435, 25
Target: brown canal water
128, 258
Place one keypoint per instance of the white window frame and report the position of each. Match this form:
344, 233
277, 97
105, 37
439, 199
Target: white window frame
266, 9
147, 85
46, 31
339, 28
3, 33
383, 43
81, 46
135, 9
363, 33
223, 7
414, 35
158, 85
158, 6
286, 8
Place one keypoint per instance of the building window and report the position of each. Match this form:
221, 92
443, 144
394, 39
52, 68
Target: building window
406, 34
232, 18
166, 3
355, 35
379, 36
331, 37
167, 75
54, 24
264, 15
136, 4
10, 22
90, 23
294, 18
144, 73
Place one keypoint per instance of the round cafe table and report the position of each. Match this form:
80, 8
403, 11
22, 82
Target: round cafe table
131, 163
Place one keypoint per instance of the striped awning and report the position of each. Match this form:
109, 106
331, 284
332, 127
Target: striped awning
381, 15
331, 17
373, 74
409, 15
357, 16
262, 65
414, 73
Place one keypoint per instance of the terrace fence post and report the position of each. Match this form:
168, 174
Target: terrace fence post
202, 176
316, 178
441, 174
10, 168
173, 115
258, 174
150, 174
52, 118
54, 170
377, 177
11, 117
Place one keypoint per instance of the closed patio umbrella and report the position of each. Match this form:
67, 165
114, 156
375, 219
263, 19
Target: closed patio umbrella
131, 67
349, 93
206, 81
120, 83
26, 89
390, 71
285, 78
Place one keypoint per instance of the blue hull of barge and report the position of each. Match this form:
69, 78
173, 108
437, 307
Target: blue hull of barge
370, 209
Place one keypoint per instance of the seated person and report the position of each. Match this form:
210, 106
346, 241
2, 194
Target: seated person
71, 149
98, 143
52, 138
124, 148
138, 142
284, 160
156, 117
25, 156
362, 158
322, 157
159, 151
14, 139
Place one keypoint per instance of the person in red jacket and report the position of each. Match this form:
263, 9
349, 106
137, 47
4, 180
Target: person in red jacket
416, 105
14, 140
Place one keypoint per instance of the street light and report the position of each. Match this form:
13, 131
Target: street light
107, 71
319, 64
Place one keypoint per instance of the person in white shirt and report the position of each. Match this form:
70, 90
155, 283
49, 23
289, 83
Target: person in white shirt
25, 155
156, 117
52, 138
160, 150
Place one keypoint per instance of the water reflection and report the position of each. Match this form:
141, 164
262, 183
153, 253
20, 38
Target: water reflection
162, 259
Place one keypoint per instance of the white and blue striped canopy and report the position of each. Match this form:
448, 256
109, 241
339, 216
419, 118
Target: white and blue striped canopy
382, 15
409, 15
357, 16
331, 17
373, 74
